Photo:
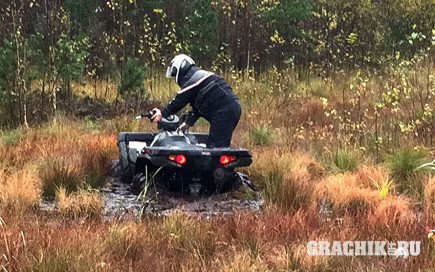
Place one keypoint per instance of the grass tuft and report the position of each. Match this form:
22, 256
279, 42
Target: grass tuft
124, 242
243, 262
395, 210
405, 169
260, 135
20, 190
345, 194
65, 259
429, 198
191, 234
79, 204
60, 172
286, 183
343, 160
10, 137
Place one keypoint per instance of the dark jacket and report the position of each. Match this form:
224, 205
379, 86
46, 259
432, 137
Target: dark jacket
206, 92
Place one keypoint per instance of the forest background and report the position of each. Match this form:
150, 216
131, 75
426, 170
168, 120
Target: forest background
338, 102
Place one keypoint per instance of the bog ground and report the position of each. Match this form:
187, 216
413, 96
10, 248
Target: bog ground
328, 167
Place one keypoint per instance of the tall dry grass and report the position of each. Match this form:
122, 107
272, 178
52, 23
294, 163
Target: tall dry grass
286, 179
19, 189
80, 204
243, 242
289, 125
429, 197
346, 195
61, 154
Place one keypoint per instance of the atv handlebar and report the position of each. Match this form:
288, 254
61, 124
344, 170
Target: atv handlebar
151, 113
169, 123
145, 115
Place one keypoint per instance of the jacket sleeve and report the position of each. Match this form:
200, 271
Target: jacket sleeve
179, 102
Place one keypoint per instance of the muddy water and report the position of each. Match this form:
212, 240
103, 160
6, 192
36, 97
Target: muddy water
119, 202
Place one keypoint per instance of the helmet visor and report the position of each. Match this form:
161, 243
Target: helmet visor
169, 72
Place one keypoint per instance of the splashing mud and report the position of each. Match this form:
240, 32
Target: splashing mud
118, 201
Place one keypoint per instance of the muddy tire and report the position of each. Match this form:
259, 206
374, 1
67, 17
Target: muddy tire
127, 167
138, 183
241, 180
154, 188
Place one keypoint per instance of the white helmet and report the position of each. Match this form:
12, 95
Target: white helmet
179, 63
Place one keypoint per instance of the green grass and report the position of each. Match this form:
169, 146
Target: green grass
60, 260
270, 184
92, 124
94, 180
260, 135
10, 137
405, 164
343, 160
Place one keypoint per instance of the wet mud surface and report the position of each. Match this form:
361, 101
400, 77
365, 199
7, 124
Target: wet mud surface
120, 203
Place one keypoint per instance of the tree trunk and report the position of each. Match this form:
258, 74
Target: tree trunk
20, 57
249, 48
50, 35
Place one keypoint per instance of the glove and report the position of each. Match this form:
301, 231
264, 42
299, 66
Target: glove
183, 127
157, 115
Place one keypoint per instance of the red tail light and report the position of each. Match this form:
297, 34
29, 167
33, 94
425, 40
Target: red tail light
225, 159
180, 159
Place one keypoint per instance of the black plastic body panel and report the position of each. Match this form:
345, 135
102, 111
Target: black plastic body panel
149, 136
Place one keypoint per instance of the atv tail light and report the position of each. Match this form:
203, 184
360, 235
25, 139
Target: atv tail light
225, 159
180, 159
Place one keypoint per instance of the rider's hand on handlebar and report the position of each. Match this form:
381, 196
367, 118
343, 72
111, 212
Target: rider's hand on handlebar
156, 116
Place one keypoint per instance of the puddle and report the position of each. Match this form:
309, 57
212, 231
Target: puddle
119, 202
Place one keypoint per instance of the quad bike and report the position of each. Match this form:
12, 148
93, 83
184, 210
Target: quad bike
179, 161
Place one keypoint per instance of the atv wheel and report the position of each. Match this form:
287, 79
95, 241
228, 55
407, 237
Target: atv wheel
241, 180
127, 167
139, 182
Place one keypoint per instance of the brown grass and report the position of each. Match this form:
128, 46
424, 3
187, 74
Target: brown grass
244, 242
19, 190
346, 194
429, 197
286, 179
393, 211
372, 176
81, 204
292, 181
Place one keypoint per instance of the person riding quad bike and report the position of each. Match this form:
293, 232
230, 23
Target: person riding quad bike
209, 95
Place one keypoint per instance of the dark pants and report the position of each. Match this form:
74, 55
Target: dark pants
222, 124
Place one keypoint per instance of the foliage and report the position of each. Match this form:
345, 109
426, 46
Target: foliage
327, 35
318, 40
7, 68
132, 80
383, 187
70, 55
200, 30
